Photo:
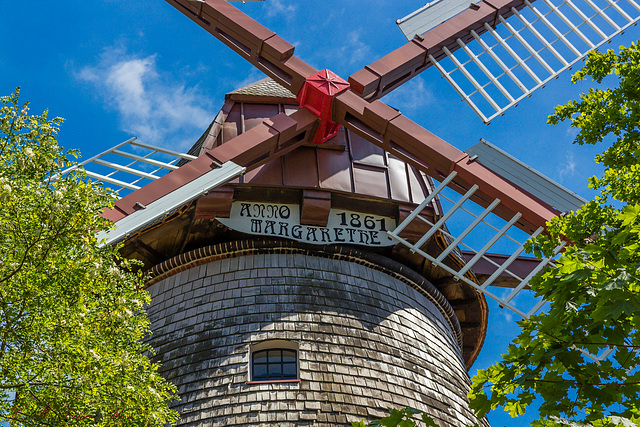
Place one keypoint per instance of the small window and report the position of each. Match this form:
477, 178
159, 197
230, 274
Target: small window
274, 364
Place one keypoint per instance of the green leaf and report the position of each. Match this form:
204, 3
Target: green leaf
614, 310
429, 422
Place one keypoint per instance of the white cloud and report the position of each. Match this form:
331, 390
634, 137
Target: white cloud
151, 103
354, 49
411, 97
572, 132
280, 9
568, 167
504, 313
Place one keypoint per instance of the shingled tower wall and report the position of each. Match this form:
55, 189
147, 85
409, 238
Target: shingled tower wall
367, 339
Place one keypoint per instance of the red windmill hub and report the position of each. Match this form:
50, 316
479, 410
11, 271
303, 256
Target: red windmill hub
316, 96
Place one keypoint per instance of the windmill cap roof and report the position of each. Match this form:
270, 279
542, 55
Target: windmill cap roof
262, 88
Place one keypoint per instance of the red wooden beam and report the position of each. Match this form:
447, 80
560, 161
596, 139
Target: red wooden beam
260, 46
273, 138
405, 139
379, 78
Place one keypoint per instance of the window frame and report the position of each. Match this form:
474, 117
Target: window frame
273, 345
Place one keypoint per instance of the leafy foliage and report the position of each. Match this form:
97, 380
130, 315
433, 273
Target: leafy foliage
594, 291
399, 418
71, 311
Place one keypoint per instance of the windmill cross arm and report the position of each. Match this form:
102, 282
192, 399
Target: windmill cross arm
405, 139
381, 77
257, 44
376, 122
271, 139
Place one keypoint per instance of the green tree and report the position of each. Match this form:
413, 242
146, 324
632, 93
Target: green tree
71, 311
594, 291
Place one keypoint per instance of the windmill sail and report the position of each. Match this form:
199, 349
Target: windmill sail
130, 165
494, 67
479, 233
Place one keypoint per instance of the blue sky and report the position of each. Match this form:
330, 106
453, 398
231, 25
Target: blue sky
115, 69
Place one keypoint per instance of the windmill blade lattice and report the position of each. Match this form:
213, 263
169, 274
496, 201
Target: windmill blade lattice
480, 232
501, 65
130, 165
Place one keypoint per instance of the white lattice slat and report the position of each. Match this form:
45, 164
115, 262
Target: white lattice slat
130, 165
462, 213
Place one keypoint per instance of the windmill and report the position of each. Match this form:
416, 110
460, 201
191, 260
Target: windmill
215, 182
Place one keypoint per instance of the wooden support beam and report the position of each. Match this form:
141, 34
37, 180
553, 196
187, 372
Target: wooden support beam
387, 73
263, 48
316, 206
216, 204
418, 147
269, 140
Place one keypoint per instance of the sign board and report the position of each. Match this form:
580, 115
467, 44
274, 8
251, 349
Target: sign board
283, 220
